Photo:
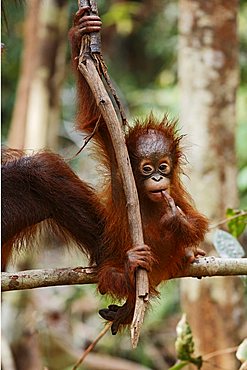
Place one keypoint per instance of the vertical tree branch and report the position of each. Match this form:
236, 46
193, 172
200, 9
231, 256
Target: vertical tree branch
88, 69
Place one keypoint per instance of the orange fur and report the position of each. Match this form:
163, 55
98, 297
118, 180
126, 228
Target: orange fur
42, 187
167, 236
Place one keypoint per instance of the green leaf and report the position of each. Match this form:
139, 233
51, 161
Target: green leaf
226, 245
237, 225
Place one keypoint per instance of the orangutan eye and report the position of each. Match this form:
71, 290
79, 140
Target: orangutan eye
164, 168
147, 169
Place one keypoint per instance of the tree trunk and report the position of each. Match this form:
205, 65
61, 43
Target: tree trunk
43, 107
16, 135
37, 109
208, 70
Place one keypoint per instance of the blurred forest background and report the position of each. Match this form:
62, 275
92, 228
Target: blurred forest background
140, 44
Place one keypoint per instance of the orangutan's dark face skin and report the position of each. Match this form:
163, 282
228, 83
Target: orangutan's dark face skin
154, 165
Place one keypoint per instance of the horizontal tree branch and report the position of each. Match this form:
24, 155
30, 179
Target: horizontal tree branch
202, 267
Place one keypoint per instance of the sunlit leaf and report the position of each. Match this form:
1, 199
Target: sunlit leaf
121, 15
226, 245
237, 225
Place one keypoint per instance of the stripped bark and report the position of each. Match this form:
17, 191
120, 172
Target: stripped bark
89, 65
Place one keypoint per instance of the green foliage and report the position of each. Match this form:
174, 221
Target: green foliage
137, 46
185, 346
237, 224
121, 15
